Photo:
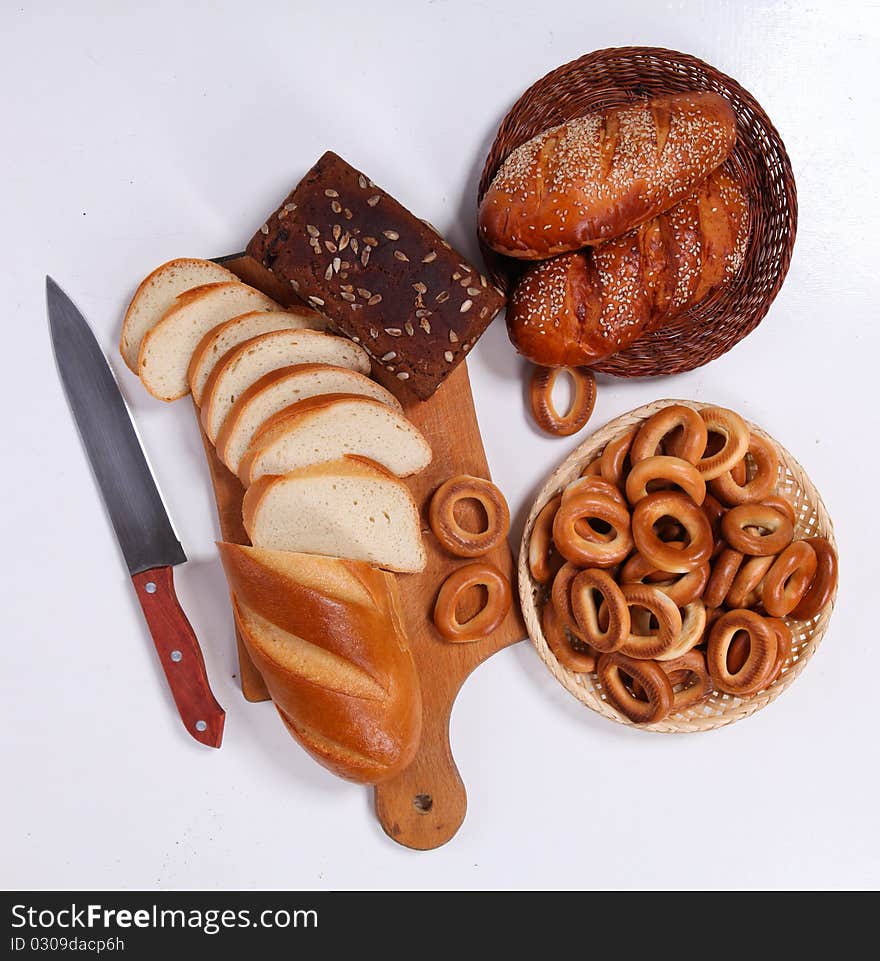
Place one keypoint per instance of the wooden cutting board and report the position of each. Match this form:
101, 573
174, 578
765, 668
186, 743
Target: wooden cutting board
425, 805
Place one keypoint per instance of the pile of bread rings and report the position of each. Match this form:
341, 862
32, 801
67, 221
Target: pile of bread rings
461, 542
670, 565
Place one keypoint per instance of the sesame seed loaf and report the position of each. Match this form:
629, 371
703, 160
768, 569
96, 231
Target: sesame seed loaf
578, 308
387, 279
598, 176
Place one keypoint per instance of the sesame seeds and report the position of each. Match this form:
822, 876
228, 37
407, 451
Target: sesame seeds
372, 201
448, 356
331, 193
264, 229
667, 145
466, 306
391, 234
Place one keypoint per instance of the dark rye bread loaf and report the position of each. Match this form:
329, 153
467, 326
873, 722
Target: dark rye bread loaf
387, 279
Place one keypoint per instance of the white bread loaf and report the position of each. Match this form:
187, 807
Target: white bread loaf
247, 363
157, 293
217, 343
350, 508
167, 349
327, 637
281, 388
330, 426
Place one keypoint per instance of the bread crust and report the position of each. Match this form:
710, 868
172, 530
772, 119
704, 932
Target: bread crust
579, 308
598, 176
354, 619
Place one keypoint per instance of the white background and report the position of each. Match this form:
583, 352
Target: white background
134, 133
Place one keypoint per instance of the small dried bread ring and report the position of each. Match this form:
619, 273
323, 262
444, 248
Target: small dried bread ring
689, 678
593, 469
488, 619
560, 597
669, 470
748, 580
600, 486
789, 579
824, 583
714, 511
575, 547
561, 646
720, 420
682, 509
777, 529
693, 626
681, 590
732, 487
738, 473
738, 653
781, 504
724, 571
761, 655
689, 446
544, 560
615, 627
613, 458
656, 700
668, 616
783, 646
447, 530
583, 399
597, 484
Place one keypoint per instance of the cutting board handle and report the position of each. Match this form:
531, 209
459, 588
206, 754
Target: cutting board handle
424, 805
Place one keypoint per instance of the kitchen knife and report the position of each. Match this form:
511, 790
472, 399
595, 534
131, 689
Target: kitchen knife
135, 506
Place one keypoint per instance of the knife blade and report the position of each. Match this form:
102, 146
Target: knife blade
138, 514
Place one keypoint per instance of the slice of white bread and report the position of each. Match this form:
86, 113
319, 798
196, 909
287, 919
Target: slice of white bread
157, 293
328, 427
247, 363
220, 340
167, 349
349, 508
281, 388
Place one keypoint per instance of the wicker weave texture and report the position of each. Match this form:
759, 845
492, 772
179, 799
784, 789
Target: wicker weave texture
720, 709
611, 77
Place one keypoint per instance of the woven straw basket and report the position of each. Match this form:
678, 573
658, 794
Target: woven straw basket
719, 709
608, 78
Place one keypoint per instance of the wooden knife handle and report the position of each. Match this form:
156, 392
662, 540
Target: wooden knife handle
180, 655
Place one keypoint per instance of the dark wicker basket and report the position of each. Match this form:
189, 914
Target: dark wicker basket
619, 75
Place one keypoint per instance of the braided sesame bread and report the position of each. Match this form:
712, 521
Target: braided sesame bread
598, 176
578, 308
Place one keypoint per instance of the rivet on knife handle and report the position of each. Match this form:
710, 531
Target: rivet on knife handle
180, 655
